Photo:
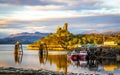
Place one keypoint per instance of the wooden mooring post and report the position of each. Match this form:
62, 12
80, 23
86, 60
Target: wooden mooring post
18, 48
41, 49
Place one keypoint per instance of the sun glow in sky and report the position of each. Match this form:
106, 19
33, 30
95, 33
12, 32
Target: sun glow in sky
18, 16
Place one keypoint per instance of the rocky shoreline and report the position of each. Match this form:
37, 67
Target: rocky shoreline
21, 71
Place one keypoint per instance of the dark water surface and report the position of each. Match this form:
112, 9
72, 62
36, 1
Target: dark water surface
55, 61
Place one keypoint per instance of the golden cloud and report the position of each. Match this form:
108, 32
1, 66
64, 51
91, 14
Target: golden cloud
5, 21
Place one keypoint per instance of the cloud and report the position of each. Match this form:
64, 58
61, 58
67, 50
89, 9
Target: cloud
100, 22
64, 4
43, 9
28, 2
39, 15
110, 3
4, 21
20, 2
47, 7
74, 4
3, 34
60, 4
45, 15
42, 15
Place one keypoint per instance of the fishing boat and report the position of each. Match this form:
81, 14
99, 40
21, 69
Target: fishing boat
82, 54
78, 58
74, 56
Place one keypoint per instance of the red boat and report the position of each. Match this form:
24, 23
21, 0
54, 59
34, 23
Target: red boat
80, 58
83, 55
74, 56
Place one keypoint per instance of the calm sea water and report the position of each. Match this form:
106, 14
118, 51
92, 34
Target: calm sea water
55, 61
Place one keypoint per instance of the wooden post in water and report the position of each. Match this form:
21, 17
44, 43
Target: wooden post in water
45, 48
18, 58
18, 52
41, 54
41, 49
21, 50
18, 47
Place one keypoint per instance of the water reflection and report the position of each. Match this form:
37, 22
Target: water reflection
110, 65
93, 65
59, 60
55, 62
18, 57
18, 53
97, 65
62, 63
43, 59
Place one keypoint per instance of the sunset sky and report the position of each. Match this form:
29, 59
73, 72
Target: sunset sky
18, 16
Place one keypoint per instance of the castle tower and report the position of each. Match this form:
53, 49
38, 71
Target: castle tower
65, 26
58, 29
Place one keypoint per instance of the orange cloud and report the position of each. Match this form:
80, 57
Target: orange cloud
5, 21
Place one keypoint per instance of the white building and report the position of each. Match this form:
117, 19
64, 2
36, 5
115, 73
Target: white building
109, 43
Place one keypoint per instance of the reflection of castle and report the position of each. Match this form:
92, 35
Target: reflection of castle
60, 61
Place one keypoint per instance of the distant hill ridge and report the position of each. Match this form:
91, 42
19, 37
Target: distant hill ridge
108, 32
111, 32
27, 34
24, 37
91, 32
27, 38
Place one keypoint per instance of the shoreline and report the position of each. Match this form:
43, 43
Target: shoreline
22, 71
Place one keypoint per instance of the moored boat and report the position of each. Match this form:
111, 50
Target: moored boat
83, 54
74, 56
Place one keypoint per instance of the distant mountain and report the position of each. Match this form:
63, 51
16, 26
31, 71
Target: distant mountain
25, 38
108, 32
90, 32
111, 32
